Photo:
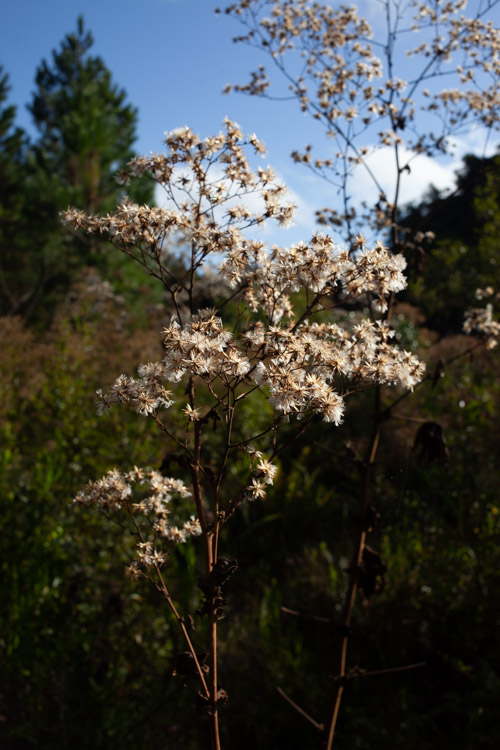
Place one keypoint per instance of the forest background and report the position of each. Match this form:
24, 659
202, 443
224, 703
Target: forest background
87, 655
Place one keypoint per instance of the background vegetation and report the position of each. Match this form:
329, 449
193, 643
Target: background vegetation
87, 655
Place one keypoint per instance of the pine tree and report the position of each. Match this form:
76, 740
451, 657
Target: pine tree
30, 236
86, 134
87, 129
13, 239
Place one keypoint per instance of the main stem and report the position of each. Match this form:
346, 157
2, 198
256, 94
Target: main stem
214, 711
210, 546
214, 690
334, 708
182, 626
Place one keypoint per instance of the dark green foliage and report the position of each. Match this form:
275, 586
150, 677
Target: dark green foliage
87, 654
464, 255
12, 146
13, 239
86, 133
87, 129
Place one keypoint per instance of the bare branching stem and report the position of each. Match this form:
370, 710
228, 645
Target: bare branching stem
300, 710
352, 588
162, 587
214, 710
180, 621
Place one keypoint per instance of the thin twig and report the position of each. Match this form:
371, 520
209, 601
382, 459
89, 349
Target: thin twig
391, 670
300, 710
316, 618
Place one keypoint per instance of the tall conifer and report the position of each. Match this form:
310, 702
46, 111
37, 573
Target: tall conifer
13, 143
87, 129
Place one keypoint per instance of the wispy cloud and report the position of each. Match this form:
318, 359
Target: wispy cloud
422, 172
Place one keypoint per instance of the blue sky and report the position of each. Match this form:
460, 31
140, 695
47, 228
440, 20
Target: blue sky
173, 57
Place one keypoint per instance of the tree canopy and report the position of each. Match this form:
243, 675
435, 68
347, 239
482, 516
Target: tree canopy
86, 131
86, 127
462, 255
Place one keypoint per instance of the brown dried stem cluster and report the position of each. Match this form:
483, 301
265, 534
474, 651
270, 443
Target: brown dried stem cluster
288, 344
278, 330
347, 79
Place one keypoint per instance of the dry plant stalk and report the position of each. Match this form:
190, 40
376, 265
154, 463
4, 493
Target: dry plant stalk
346, 78
288, 344
287, 340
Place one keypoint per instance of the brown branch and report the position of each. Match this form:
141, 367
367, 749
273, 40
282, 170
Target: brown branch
300, 710
214, 712
334, 708
316, 618
182, 626
210, 546
180, 620
360, 675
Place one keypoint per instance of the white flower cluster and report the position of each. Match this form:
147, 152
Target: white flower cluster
205, 182
484, 293
115, 492
326, 37
321, 267
292, 389
202, 347
286, 341
342, 74
263, 473
297, 364
146, 394
480, 322
306, 360
336, 79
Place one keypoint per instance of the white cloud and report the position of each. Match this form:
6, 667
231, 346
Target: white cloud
477, 141
424, 171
